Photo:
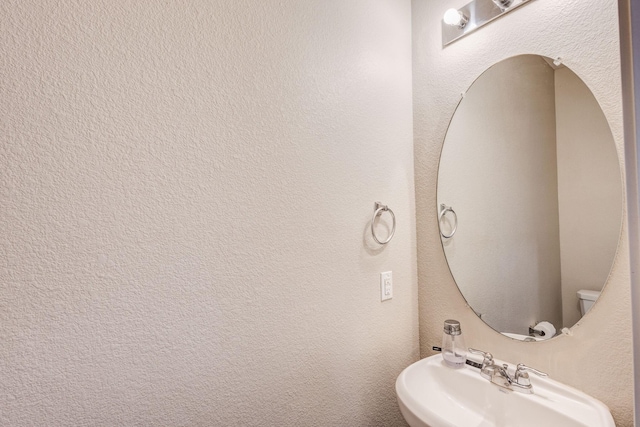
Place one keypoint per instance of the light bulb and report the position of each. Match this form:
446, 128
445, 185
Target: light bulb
452, 17
455, 17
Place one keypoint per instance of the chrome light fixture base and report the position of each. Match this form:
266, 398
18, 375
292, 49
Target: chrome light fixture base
479, 13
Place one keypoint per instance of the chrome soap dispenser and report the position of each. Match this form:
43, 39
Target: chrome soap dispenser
454, 352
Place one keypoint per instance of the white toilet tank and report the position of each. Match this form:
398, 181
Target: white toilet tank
587, 299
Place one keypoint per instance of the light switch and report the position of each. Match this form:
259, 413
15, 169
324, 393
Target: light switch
386, 286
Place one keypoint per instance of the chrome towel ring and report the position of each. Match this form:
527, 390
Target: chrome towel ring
443, 211
379, 208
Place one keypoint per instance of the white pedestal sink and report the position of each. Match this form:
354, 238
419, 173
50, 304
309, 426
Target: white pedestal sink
430, 394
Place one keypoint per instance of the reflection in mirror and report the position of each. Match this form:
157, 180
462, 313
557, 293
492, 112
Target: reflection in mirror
530, 166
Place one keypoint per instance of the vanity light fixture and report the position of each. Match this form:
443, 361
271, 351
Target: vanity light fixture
503, 4
455, 18
458, 23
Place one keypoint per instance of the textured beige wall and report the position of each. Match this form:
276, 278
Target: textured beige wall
498, 170
185, 191
590, 192
596, 358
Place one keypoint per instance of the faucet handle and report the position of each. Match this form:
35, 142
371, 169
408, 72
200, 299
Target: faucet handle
522, 368
521, 377
488, 357
487, 370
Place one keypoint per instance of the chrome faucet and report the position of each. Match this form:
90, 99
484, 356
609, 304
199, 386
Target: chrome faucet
499, 375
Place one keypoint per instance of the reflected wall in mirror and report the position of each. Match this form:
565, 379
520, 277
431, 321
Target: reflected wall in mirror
530, 167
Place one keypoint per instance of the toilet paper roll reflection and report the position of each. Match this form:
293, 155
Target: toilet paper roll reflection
546, 327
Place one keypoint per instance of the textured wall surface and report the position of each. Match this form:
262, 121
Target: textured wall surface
596, 357
186, 189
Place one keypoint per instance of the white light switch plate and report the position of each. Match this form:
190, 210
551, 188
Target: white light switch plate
386, 286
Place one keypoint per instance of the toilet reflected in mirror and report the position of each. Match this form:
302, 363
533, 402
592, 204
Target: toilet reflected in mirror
587, 299
530, 168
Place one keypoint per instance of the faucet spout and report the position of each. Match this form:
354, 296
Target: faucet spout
499, 374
